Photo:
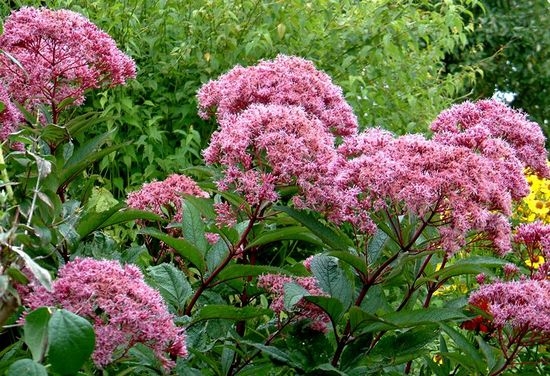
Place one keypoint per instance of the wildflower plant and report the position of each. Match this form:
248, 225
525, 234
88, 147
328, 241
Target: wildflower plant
304, 246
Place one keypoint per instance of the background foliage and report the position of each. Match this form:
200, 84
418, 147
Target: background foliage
388, 56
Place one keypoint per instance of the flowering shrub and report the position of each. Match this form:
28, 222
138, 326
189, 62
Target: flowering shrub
52, 57
124, 310
389, 229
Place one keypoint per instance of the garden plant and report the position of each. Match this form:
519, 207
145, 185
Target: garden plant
297, 242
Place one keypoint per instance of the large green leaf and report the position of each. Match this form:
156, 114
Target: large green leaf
332, 306
26, 367
357, 262
35, 332
332, 239
193, 227
226, 312
285, 233
184, 248
172, 285
332, 279
71, 342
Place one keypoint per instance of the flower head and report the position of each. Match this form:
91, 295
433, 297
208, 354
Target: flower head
60, 54
165, 197
10, 117
284, 81
484, 125
524, 305
269, 146
123, 309
434, 181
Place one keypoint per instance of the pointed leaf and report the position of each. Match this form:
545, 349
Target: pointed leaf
182, 246
332, 279
172, 285
35, 332
41, 274
466, 347
193, 227
222, 311
239, 270
71, 342
285, 233
332, 306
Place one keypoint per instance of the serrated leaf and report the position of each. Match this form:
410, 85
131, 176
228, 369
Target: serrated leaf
273, 352
35, 332
181, 246
193, 227
26, 367
358, 263
71, 342
293, 293
466, 347
376, 246
285, 233
332, 279
172, 285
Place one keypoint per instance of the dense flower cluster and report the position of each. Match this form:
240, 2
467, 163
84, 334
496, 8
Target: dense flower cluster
60, 54
523, 305
270, 146
165, 197
275, 284
123, 309
495, 130
10, 117
433, 181
284, 81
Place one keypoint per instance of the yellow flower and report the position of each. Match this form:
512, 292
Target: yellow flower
535, 262
538, 207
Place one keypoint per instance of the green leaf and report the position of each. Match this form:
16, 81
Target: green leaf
41, 274
293, 294
193, 227
332, 239
402, 347
331, 279
273, 352
35, 332
376, 246
332, 306
285, 233
184, 248
239, 270
472, 355
425, 316
92, 220
127, 215
358, 263
172, 285
26, 367
226, 312
470, 265
359, 319
71, 342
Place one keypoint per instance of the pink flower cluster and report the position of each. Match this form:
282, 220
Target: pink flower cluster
275, 284
284, 81
123, 309
277, 123
266, 147
495, 130
524, 305
60, 54
280, 121
533, 240
447, 186
165, 197
10, 117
